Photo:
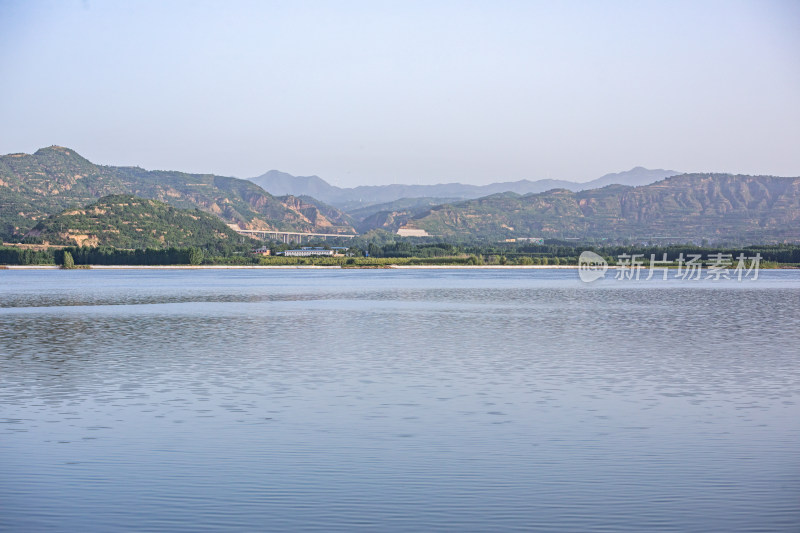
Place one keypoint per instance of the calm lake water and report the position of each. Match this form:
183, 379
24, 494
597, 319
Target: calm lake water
299, 400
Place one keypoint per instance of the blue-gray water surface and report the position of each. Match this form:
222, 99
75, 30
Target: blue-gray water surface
387, 400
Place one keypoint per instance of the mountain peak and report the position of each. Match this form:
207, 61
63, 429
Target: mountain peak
281, 183
57, 153
278, 174
55, 148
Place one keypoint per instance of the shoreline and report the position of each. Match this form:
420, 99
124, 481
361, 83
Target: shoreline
290, 267
326, 267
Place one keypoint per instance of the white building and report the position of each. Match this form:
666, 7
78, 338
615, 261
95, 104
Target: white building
412, 232
307, 252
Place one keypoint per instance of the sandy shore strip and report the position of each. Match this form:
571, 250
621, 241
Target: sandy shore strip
168, 267
326, 267
29, 267
493, 267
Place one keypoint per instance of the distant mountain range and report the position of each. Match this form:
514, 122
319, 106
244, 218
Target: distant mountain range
50, 195
690, 207
349, 199
33, 187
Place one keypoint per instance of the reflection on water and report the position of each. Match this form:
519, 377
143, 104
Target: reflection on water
397, 400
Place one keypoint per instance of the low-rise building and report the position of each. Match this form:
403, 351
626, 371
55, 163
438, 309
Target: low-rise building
308, 252
412, 232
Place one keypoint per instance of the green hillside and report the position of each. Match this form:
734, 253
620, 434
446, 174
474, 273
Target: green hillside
125, 221
690, 207
33, 187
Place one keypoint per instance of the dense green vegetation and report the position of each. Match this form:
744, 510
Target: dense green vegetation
67, 261
14, 255
128, 222
395, 253
565, 253
111, 256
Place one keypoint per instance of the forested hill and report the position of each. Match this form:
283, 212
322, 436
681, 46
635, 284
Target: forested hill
689, 207
125, 221
33, 187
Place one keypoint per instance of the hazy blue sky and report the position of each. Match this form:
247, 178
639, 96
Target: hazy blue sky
414, 92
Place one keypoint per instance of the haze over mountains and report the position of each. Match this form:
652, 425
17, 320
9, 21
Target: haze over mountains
280, 183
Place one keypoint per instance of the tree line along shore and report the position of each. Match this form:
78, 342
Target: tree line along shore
397, 253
